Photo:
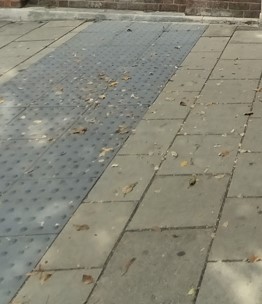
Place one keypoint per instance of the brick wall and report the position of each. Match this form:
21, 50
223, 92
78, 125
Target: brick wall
220, 8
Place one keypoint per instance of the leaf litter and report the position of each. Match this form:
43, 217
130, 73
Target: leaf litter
81, 227
127, 266
105, 150
87, 279
253, 259
79, 130
129, 188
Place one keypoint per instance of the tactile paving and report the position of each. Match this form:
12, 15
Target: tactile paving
101, 81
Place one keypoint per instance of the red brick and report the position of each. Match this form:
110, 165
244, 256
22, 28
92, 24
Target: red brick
180, 2
254, 6
122, 5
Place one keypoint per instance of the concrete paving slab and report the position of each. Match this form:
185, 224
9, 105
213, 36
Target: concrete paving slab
237, 69
246, 51
210, 44
201, 60
257, 106
25, 48
90, 246
82, 26
228, 91
200, 154
247, 176
216, 119
247, 37
241, 237
8, 63
4, 40
171, 105
63, 23
62, 40
130, 171
231, 283
171, 202
188, 80
45, 34
181, 254
219, 30
252, 139
19, 28
40, 288
151, 136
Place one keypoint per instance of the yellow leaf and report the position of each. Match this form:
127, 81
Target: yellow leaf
184, 163
129, 188
191, 292
104, 151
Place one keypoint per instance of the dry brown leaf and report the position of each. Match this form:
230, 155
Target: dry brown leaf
258, 89
2, 100
44, 276
104, 151
81, 227
87, 279
122, 130
253, 259
126, 77
127, 265
182, 103
79, 130
59, 89
129, 188
184, 163
113, 84
192, 181
103, 96
223, 153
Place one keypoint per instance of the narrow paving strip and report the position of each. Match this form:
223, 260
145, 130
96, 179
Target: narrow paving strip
65, 117
175, 217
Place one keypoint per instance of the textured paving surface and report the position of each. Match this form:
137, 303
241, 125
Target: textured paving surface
101, 82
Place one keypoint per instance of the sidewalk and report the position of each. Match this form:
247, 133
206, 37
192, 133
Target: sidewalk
176, 216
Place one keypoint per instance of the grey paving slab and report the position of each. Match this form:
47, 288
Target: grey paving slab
201, 60
228, 91
25, 48
7, 114
216, 119
62, 23
8, 63
235, 283
130, 170
181, 254
219, 30
4, 40
241, 237
162, 132
199, 154
44, 33
188, 80
53, 290
252, 137
19, 28
246, 51
246, 37
171, 202
257, 106
171, 105
90, 247
18, 256
45, 122
247, 176
16, 156
39, 207
237, 69
211, 44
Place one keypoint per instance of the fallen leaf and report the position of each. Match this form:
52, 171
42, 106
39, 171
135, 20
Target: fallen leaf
182, 103
126, 77
258, 89
249, 113
253, 259
192, 181
113, 84
2, 100
129, 188
174, 154
127, 266
244, 151
79, 130
103, 96
184, 163
115, 165
225, 224
104, 151
81, 227
44, 276
191, 292
122, 130
223, 153
87, 279
219, 176
59, 89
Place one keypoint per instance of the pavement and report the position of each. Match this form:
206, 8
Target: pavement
169, 211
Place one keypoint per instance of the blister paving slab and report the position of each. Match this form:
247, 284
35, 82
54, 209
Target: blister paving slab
101, 81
